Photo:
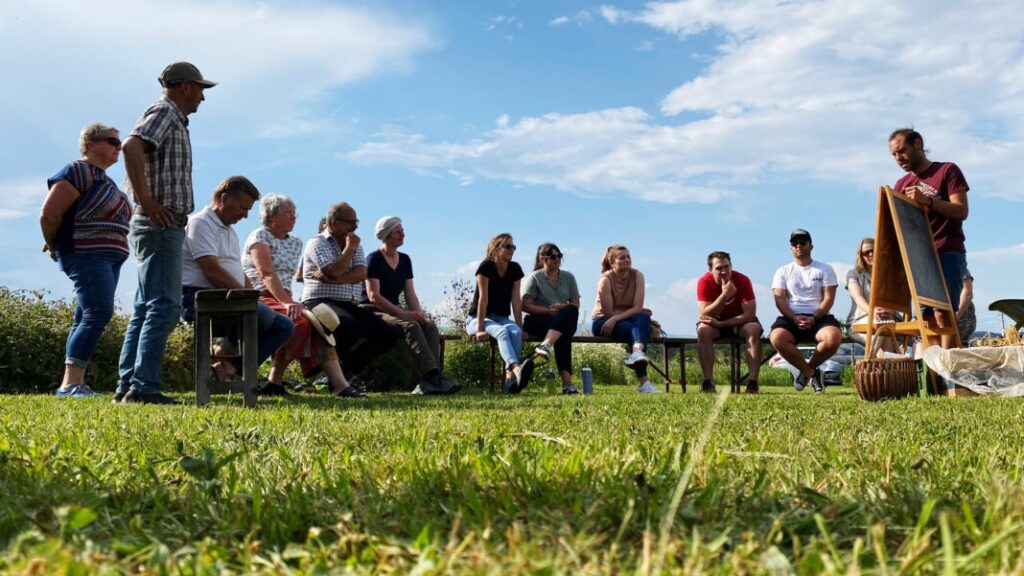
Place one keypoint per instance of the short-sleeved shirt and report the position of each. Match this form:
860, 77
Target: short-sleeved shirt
499, 288
392, 280
206, 235
940, 180
169, 163
322, 250
98, 220
708, 291
538, 287
284, 257
804, 285
864, 280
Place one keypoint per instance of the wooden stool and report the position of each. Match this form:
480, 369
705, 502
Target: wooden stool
221, 306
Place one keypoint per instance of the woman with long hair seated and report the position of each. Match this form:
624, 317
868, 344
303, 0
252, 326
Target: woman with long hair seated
858, 284
495, 298
619, 312
551, 299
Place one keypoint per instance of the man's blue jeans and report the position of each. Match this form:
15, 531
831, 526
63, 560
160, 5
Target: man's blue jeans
158, 252
273, 329
95, 275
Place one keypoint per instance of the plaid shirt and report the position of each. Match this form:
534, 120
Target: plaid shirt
321, 251
169, 163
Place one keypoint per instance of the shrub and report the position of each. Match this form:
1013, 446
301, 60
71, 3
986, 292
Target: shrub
33, 333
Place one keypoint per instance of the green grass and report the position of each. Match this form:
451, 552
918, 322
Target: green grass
541, 484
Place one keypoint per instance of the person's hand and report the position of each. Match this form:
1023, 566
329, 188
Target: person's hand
917, 194
317, 274
729, 289
414, 316
481, 336
607, 329
554, 308
352, 241
157, 213
48, 248
294, 310
710, 321
803, 321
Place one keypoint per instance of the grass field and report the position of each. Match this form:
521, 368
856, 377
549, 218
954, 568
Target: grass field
611, 483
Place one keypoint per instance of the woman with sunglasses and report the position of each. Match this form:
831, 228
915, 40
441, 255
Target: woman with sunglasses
84, 220
858, 284
619, 312
552, 300
495, 298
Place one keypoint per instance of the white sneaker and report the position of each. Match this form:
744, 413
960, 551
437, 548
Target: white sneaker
636, 359
648, 388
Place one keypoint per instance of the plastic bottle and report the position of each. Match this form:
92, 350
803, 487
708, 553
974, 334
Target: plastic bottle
587, 376
551, 381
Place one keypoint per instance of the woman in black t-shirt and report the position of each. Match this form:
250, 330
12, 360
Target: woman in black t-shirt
495, 298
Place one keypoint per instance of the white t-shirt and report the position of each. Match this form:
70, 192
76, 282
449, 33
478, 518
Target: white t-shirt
206, 235
804, 285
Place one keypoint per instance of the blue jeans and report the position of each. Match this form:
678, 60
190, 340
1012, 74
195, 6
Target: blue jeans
953, 266
272, 329
157, 304
95, 276
635, 329
505, 331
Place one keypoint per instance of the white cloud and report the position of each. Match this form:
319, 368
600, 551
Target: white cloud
290, 55
558, 21
998, 255
22, 197
467, 269
793, 91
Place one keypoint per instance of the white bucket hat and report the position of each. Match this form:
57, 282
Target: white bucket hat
324, 320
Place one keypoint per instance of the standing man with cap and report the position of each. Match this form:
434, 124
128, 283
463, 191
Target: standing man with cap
805, 290
388, 276
158, 160
942, 189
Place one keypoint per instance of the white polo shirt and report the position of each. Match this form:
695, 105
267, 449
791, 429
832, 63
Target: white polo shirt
804, 285
206, 235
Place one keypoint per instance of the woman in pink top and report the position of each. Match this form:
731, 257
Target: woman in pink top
619, 312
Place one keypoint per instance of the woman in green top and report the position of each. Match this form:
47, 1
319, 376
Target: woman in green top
552, 300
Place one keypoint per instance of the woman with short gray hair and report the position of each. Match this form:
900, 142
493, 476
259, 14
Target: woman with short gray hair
272, 205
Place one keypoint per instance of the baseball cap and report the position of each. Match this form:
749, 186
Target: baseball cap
179, 72
799, 234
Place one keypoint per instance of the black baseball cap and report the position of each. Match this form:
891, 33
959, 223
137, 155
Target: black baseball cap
799, 234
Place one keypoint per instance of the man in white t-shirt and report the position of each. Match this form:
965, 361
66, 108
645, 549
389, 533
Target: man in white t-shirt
212, 259
804, 293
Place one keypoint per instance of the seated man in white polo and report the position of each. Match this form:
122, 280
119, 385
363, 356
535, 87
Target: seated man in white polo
725, 300
212, 258
805, 290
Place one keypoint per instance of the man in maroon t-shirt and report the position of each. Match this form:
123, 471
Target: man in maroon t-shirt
725, 300
942, 189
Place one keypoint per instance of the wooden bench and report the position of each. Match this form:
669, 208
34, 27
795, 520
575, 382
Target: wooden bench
735, 344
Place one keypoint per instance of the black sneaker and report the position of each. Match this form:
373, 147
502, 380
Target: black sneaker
523, 374
819, 388
510, 386
543, 351
352, 391
570, 389
752, 387
708, 386
118, 396
135, 397
272, 389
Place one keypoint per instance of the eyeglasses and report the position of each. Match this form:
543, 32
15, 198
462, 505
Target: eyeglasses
796, 243
868, 253
511, 247
112, 140
552, 256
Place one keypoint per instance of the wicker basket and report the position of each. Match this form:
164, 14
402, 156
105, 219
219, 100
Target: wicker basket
885, 378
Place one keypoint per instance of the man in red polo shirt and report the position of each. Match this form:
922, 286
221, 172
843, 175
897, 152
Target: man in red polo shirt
725, 300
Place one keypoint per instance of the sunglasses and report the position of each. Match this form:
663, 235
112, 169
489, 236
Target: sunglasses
112, 140
511, 247
796, 243
552, 256
868, 253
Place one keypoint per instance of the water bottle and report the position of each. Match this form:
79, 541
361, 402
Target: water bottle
551, 381
587, 376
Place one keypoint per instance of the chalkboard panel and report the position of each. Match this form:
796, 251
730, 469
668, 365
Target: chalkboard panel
917, 240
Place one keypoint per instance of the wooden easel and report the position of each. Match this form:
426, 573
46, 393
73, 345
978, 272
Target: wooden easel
906, 273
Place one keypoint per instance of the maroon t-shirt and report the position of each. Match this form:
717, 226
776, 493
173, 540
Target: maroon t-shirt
940, 180
708, 291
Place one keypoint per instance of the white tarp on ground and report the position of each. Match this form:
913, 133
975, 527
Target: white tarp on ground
986, 370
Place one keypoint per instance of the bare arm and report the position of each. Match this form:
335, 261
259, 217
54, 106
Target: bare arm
638, 300
782, 303
414, 303
383, 304
60, 198
745, 317
481, 306
955, 208
828, 298
216, 274
134, 150
966, 296
517, 304
264, 263
338, 271
715, 307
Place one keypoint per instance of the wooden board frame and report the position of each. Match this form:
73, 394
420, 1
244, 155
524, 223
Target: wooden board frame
892, 278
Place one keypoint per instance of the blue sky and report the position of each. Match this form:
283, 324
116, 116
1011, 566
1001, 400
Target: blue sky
676, 128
